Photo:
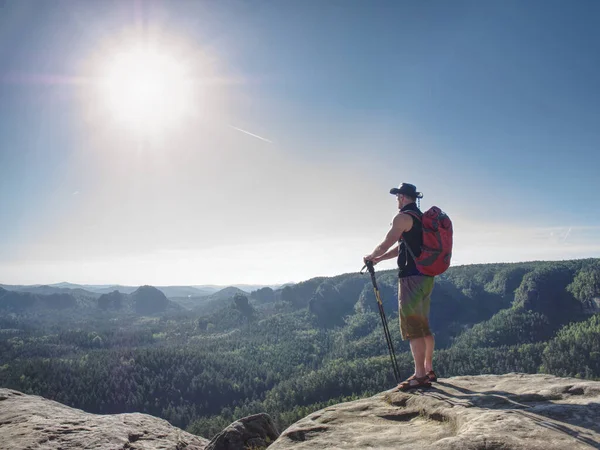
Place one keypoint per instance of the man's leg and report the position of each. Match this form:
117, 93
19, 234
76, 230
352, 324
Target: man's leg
414, 298
411, 322
418, 348
428, 283
429, 345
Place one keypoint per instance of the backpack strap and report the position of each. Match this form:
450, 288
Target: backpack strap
414, 214
417, 216
409, 251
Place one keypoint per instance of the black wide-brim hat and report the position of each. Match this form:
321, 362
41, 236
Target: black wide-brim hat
406, 189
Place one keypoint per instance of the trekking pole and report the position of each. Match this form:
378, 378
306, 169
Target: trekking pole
386, 330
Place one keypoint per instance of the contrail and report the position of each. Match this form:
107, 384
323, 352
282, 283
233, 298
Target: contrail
252, 134
567, 235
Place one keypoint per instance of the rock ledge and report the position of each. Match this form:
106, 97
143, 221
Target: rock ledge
32, 422
508, 412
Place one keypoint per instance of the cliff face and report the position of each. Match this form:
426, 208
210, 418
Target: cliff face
507, 412
29, 421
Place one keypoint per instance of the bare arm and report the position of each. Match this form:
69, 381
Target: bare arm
393, 253
400, 224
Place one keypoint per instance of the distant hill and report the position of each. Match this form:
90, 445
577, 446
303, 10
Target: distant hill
48, 290
105, 289
185, 291
169, 291
69, 288
172, 292
145, 300
216, 301
243, 287
26, 302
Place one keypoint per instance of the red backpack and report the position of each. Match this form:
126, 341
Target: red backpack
437, 242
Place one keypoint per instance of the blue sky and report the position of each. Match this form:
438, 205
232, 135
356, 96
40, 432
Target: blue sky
490, 108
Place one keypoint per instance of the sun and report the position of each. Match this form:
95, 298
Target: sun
151, 84
145, 87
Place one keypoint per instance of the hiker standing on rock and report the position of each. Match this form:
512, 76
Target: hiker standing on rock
414, 288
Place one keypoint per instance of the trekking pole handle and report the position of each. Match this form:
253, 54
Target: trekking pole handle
369, 266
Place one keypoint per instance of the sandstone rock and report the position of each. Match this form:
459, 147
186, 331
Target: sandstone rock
504, 412
32, 422
252, 432
507, 412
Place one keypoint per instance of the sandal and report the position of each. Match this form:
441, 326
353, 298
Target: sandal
431, 375
414, 383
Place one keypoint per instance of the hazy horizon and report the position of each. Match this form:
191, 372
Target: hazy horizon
198, 286
190, 143
384, 266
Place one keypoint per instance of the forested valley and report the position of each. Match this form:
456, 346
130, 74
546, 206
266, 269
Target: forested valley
203, 362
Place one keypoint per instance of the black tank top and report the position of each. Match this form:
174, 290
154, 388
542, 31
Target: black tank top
414, 238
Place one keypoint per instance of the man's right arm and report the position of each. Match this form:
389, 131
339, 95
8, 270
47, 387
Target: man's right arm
400, 224
393, 253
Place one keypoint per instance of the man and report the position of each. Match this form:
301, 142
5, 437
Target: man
414, 288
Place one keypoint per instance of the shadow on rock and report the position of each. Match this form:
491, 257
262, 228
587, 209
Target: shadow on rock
256, 432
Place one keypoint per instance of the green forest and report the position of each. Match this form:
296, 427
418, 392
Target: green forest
203, 362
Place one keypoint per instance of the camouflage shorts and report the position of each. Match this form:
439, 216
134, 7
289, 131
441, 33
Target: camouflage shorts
414, 300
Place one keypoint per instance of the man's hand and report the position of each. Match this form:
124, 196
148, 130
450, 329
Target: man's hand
371, 258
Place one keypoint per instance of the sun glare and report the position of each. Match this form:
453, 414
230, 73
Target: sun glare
146, 88
150, 84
